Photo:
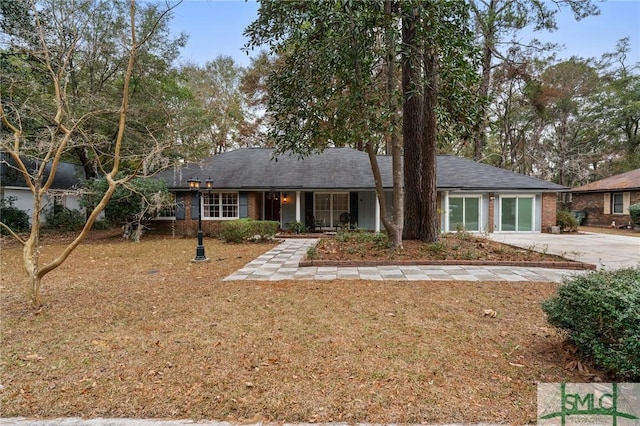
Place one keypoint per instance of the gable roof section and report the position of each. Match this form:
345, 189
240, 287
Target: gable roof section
622, 182
337, 169
68, 176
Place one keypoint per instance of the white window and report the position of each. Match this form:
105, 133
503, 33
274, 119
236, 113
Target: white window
220, 205
464, 213
328, 207
517, 213
169, 211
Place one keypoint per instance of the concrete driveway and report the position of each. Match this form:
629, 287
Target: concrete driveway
603, 250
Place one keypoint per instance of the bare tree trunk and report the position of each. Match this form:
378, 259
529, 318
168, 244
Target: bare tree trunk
89, 166
395, 224
31, 254
411, 129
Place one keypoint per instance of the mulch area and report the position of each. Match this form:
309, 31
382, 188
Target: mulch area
451, 249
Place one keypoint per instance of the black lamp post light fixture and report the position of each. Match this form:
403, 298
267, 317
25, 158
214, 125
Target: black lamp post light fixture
194, 186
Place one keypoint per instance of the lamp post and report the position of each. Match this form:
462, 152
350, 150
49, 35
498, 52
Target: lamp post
194, 186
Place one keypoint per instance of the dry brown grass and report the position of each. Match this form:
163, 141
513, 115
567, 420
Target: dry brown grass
136, 330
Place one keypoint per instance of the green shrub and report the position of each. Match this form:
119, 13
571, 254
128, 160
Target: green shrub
381, 240
566, 220
312, 253
437, 248
14, 218
634, 211
60, 218
296, 227
101, 225
133, 205
600, 313
236, 231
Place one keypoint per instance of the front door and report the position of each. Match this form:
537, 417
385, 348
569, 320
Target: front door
272, 206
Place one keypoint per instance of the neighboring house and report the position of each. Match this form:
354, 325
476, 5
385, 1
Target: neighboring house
63, 191
606, 202
324, 191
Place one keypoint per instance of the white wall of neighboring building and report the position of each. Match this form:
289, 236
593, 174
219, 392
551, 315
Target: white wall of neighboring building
24, 200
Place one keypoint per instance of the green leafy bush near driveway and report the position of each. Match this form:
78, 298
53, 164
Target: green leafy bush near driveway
634, 211
566, 221
236, 231
601, 314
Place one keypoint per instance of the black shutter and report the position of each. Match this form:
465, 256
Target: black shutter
353, 208
308, 210
180, 199
194, 206
244, 204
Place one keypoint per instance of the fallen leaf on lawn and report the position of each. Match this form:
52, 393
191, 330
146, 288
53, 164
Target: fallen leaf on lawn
489, 313
513, 364
576, 365
34, 356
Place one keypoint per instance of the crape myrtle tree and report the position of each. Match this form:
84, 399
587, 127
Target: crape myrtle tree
43, 119
93, 79
338, 83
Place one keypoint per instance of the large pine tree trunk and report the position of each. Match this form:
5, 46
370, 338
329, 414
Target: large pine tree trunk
429, 230
411, 129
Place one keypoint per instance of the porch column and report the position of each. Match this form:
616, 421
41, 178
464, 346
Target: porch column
377, 229
298, 207
446, 211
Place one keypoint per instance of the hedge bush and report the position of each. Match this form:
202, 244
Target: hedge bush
62, 219
236, 231
566, 220
600, 312
13, 217
296, 227
634, 211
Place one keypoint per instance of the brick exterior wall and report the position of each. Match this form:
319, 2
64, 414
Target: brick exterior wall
189, 227
593, 204
255, 205
549, 207
492, 212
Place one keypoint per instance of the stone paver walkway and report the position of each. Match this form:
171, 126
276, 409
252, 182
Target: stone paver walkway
281, 263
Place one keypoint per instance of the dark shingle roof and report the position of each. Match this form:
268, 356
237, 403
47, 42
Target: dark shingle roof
68, 176
622, 182
458, 172
337, 168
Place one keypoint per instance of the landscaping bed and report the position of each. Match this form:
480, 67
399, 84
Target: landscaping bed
366, 249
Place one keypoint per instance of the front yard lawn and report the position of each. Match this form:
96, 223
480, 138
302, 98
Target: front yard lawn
136, 330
